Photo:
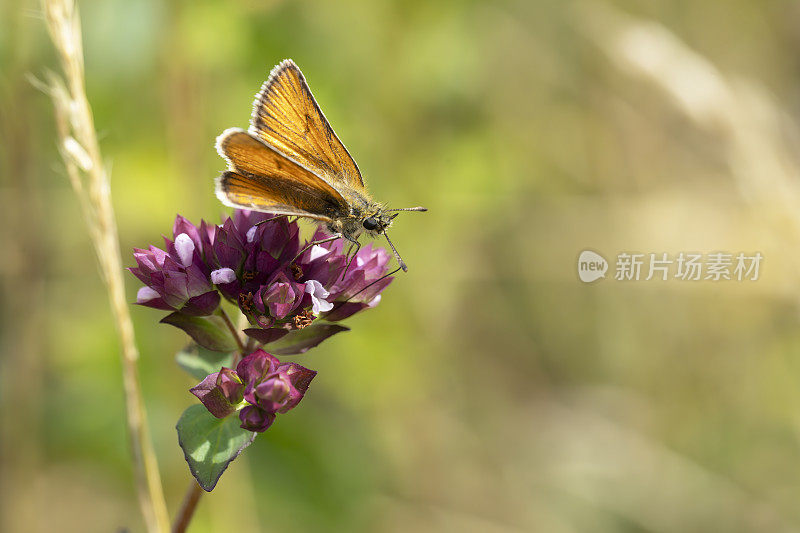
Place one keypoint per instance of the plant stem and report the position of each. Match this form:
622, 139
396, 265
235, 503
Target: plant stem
187, 508
251, 344
232, 329
88, 177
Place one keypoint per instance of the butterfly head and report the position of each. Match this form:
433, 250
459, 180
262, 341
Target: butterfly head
377, 222
381, 218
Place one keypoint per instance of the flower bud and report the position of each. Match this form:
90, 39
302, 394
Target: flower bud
255, 419
213, 396
231, 385
280, 296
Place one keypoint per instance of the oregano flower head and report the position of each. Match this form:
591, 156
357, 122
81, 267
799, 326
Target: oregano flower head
259, 388
291, 292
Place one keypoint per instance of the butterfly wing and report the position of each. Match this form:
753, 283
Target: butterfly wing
286, 116
263, 179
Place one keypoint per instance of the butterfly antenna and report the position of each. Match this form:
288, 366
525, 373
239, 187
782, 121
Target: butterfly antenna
396, 255
373, 283
418, 208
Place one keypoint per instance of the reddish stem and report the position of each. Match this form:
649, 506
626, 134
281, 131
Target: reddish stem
187, 508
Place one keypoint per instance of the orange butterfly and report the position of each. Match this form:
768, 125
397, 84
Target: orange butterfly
290, 162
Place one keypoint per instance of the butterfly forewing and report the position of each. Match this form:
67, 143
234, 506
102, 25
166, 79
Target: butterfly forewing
262, 178
286, 116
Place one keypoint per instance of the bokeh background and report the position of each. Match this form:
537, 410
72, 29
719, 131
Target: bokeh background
491, 390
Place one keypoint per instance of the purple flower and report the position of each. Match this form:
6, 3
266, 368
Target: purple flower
359, 287
226, 255
255, 419
272, 385
279, 297
230, 385
318, 294
266, 385
279, 291
255, 260
223, 276
176, 279
220, 392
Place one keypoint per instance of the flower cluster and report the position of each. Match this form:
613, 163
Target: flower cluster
257, 261
259, 388
176, 279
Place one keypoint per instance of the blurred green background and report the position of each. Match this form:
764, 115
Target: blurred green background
491, 390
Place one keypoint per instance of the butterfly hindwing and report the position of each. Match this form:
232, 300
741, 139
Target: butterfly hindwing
243, 192
286, 116
263, 179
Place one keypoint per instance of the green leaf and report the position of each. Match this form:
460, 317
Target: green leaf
199, 362
207, 331
210, 444
301, 340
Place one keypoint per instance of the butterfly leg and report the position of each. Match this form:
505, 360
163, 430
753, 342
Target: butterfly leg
270, 219
357, 246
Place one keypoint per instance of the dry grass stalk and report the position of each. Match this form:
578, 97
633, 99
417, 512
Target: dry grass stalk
89, 179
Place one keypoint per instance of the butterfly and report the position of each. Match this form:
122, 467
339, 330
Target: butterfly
290, 162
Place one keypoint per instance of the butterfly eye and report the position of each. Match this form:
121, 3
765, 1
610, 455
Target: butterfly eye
370, 223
